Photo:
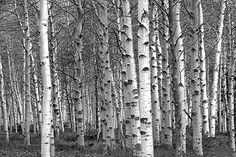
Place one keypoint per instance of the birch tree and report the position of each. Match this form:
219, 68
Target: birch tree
204, 98
179, 84
107, 108
156, 111
18, 96
54, 73
132, 103
27, 74
36, 92
46, 80
231, 85
144, 79
79, 73
3, 102
195, 80
214, 88
166, 102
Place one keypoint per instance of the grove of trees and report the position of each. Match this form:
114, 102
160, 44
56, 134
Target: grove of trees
139, 75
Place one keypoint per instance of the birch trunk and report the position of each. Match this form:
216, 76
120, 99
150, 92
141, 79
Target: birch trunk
127, 108
214, 88
231, 85
144, 80
204, 97
231, 100
27, 74
61, 105
132, 87
119, 78
196, 95
156, 111
19, 97
166, 102
108, 108
79, 74
3, 102
54, 74
46, 80
36, 93
223, 95
179, 89
13, 90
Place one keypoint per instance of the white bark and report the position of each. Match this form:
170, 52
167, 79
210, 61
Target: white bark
80, 111
179, 90
15, 101
132, 87
214, 88
144, 80
108, 123
37, 96
231, 100
27, 74
127, 108
204, 97
166, 136
156, 111
19, 98
46, 80
196, 95
231, 85
54, 74
3, 102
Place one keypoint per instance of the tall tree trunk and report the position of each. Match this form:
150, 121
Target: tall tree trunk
61, 104
120, 108
223, 96
132, 101
46, 80
166, 102
19, 97
231, 84
214, 88
27, 74
144, 80
196, 93
204, 97
179, 84
156, 111
12, 84
79, 74
54, 74
3, 102
107, 108
36, 93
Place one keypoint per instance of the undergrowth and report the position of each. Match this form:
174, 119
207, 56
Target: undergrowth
66, 147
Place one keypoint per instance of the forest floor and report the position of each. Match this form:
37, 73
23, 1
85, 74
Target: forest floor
66, 147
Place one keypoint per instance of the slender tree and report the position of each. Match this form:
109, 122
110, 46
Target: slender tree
46, 80
231, 85
214, 87
54, 74
3, 102
106, 108
166, 133
36, 92
156, 116
195, 80
132, 103
27, 74
79, 73
144, 80
179, 84
204, 97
